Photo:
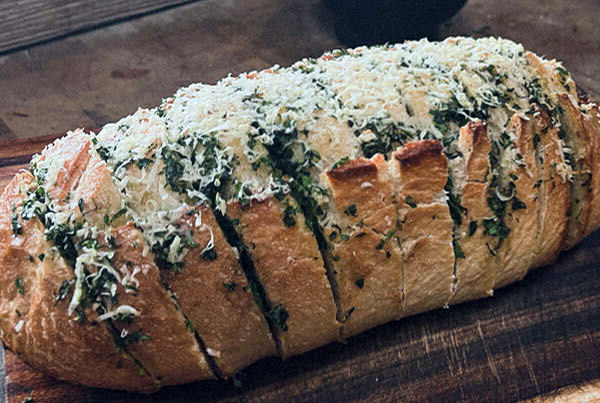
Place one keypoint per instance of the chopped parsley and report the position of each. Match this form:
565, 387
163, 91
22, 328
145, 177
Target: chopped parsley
388, 236
472, 227
351, 210
360, 283
458, 252
278, 315
518, 204
495, 227
410, 201
288, 216
63, 291
210, 254
123, 340
80, 205
339, 163
229, 286
19, 285
16, 226
144, 162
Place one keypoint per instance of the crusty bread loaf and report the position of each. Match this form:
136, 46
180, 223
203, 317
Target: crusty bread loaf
278, 211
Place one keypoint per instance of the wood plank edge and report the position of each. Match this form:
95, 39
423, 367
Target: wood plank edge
586, 392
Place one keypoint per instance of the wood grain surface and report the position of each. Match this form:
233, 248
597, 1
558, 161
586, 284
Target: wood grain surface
29, 21
536, 339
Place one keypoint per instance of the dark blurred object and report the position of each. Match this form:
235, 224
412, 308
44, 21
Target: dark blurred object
370, 22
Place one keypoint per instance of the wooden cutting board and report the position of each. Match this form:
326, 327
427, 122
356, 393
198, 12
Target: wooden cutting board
539, 337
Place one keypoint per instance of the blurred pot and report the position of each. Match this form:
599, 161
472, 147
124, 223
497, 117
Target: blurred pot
369, 22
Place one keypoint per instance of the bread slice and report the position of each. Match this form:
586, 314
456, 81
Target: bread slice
476, 267
519, 177
581, 145
162, 329
553, 189
420, 171
591, 123
362, 236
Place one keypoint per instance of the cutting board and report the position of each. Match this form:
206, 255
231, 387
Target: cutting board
538, 337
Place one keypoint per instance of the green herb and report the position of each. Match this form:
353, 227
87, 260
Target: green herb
454, 203
472, 227
351, 210
230, 286
189, 326
360, 235
30, 258
28, 399
173, 169
536, 140
118, 214
332, 236
360, 283
123, 341
160, 111
63, 291
62, 237
16, 226
144, 162
409, 200
288, 216
388, 236
335, 258
80, 205
518, 204
339, 163
495, 227
458, 252
19, 285
103, 153
345, 237
139, 367
210, 254
279, 316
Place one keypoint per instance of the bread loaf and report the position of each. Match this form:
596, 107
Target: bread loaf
281, 210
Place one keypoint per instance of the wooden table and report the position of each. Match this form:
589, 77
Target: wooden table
538, 340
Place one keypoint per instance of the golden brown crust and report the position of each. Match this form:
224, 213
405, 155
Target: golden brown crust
290, 267
421, 174
367, 265
214, 296
475, 146
517, 250
170, 352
